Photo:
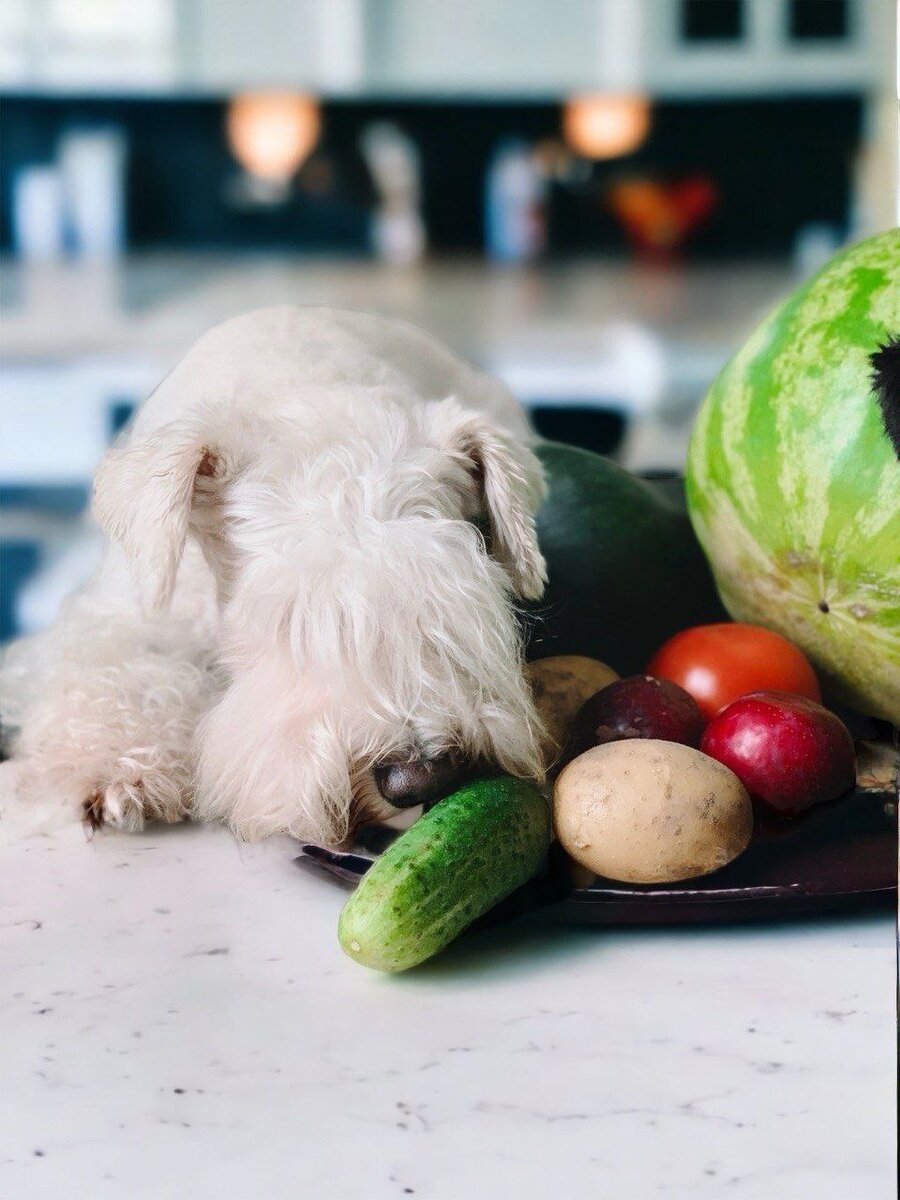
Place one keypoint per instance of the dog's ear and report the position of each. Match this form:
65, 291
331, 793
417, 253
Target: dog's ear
511, 484
143, 493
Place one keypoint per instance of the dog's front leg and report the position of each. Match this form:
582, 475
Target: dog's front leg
103, 712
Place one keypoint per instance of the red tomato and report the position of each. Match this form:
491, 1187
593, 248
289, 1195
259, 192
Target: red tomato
719, 663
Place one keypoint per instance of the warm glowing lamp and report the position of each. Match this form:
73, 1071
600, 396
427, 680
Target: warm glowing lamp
606, 126
271, 133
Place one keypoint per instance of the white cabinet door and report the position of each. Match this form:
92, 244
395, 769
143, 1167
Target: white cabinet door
764, 60
481, 46
93, 45
230, 45
55, 419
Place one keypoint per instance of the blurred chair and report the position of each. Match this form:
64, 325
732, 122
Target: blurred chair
590, 426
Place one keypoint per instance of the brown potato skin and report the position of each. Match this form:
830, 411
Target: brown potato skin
648, 811
560, 686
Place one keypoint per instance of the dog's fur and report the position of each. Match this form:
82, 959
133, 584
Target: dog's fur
296, 586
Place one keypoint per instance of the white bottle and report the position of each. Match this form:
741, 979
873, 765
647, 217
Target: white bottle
398, 232
514, 205
37, 214
93, 169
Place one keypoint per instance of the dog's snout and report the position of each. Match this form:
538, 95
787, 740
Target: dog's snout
418, 779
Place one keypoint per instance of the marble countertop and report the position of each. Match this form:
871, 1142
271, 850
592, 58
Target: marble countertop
178, 1020
155, 305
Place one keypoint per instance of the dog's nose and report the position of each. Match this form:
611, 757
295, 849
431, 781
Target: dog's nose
407, 782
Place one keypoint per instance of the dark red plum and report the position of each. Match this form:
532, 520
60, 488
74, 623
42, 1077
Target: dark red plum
637, 707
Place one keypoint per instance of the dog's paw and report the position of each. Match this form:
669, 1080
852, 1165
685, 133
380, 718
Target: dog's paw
118, 805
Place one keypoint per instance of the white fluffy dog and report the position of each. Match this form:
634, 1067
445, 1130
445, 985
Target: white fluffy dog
318, 526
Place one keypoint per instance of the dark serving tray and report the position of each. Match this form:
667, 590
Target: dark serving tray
840, 856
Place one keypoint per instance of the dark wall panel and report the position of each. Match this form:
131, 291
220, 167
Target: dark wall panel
776, 165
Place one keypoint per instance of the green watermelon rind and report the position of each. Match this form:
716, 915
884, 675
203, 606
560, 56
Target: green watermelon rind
793, 486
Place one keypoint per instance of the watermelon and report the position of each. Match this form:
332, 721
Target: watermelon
793, 480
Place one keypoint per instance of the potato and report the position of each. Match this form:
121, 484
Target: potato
560, 686
647, 811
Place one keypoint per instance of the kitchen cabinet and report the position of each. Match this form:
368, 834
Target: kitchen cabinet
426, 48
58, 417
83, 46
314, 44
767, 56
483, 47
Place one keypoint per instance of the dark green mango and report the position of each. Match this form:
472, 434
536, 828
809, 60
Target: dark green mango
625, 569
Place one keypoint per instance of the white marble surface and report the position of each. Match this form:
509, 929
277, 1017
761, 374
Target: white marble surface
178, 1021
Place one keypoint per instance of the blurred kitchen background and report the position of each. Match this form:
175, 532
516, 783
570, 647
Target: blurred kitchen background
595, 199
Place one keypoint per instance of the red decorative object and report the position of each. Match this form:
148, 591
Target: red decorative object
659, 217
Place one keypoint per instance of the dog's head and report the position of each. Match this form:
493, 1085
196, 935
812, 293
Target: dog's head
368, 566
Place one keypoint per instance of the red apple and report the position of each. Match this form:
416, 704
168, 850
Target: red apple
786, 750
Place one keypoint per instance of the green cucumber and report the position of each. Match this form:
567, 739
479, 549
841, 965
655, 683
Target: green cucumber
458, 860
